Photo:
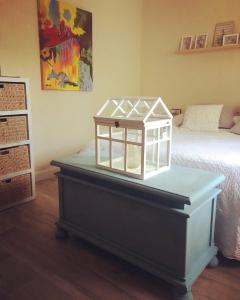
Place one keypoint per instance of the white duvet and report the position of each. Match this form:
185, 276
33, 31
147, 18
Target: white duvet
218, 152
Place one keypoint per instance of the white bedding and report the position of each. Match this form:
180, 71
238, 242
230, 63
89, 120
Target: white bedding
218, 152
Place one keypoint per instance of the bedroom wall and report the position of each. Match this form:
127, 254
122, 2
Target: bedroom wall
62, 121
191, 79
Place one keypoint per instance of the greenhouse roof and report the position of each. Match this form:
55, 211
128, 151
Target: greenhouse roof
146, 109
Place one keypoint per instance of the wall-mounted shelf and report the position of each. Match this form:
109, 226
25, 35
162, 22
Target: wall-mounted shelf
14, 112
208, 49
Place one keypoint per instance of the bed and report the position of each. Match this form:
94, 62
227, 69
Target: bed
219, 152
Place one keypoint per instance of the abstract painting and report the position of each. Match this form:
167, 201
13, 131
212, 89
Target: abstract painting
65, 38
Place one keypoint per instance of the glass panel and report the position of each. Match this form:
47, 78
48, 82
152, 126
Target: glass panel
103, 152
119, 111
159, 111
118, 133
151, 158
134, 135
118, 152
152, 135
108, 108
165, 132
163, 153
129, 105
145, 105
103, 131
134, 158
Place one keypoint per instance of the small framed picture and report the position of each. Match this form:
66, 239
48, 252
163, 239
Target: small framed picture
201, 41
222, 29
176, 111
186, 43
230, 39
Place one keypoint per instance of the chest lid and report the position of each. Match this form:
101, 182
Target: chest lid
179, 186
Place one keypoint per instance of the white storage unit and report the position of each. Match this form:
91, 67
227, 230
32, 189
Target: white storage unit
133, 136
17, 179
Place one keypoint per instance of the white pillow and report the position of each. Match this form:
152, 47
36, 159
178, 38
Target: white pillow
202, 117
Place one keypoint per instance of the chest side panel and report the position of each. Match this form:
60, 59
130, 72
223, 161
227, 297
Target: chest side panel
154, 234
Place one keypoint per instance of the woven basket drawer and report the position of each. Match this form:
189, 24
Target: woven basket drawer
13, 129
15, 189
14, 160
12, 96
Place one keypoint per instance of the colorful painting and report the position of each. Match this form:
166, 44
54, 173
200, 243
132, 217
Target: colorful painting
65, 37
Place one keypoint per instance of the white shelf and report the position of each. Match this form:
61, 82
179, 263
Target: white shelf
208, 49
14, 112
11, 175
26, 142
13, 79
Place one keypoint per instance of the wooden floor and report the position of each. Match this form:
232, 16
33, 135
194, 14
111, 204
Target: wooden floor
35, 266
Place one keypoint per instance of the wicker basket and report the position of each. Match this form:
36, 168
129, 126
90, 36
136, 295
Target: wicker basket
12, 96
15, 189
14, 160
13, 129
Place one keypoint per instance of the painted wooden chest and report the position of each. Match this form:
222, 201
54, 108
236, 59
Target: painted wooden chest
164, 224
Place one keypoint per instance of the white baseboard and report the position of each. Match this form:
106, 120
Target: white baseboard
46, 173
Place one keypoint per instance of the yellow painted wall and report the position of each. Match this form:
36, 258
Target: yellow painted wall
199, 78
133, 53
62, 121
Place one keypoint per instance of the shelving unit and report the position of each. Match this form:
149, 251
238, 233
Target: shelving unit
208, 49
16, 186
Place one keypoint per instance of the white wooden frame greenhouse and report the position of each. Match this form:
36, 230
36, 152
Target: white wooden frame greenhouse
133, 136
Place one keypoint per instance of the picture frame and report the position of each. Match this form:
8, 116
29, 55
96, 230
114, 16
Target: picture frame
230, 39
186, 42
176, 111
201, 41
221, 29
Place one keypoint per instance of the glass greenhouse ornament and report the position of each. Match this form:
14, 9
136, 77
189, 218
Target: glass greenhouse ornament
133, 136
